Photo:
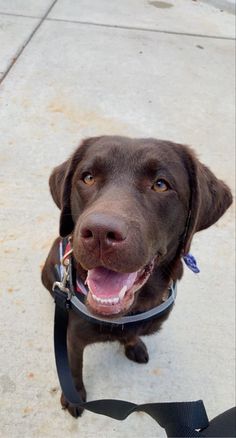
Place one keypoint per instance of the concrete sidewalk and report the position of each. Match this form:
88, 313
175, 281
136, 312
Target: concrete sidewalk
135, 67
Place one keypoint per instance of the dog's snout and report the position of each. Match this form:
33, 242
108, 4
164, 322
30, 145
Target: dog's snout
103, 229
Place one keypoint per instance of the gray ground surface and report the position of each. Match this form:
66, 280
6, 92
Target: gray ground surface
89, 68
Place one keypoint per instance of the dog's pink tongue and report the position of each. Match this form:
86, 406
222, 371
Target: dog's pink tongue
105, 283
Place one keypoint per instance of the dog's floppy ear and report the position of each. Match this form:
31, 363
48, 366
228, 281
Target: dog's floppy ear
210, 198
60, 187
56, 182
60, 183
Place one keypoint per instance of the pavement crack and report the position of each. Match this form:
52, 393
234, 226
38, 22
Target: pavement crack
20, 51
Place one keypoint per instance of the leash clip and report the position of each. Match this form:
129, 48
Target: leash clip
62, 285
65, 271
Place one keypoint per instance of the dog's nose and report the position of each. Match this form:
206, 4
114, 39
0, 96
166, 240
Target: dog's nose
103, 229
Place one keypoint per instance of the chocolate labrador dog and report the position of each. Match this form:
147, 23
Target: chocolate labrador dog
131, 207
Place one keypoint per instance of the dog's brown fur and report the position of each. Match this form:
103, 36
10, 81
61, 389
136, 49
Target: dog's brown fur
158, 225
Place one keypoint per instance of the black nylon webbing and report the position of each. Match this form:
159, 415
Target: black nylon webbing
178, 419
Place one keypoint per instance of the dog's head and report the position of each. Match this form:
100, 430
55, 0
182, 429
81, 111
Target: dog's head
132, 204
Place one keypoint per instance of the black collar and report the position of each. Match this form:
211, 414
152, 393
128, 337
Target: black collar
155, 312
65, 294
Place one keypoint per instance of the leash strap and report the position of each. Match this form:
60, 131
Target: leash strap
178, 419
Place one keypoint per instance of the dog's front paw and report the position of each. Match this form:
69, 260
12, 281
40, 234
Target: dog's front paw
137, 352
74, 411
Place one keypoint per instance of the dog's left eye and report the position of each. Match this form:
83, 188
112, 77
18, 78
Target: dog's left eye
88, 179
160, 185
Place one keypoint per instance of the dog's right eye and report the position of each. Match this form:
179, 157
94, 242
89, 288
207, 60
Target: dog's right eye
88, 179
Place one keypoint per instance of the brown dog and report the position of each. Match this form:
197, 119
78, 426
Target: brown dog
132, 207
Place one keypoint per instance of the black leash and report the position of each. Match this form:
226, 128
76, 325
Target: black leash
178, 419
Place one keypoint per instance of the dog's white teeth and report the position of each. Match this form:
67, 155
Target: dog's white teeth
122, 292
105, 300
111, 301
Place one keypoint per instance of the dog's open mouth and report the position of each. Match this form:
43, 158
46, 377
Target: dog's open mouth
113, 292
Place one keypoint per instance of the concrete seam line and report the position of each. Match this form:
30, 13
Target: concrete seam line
20, 51
8, 14
142, 29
